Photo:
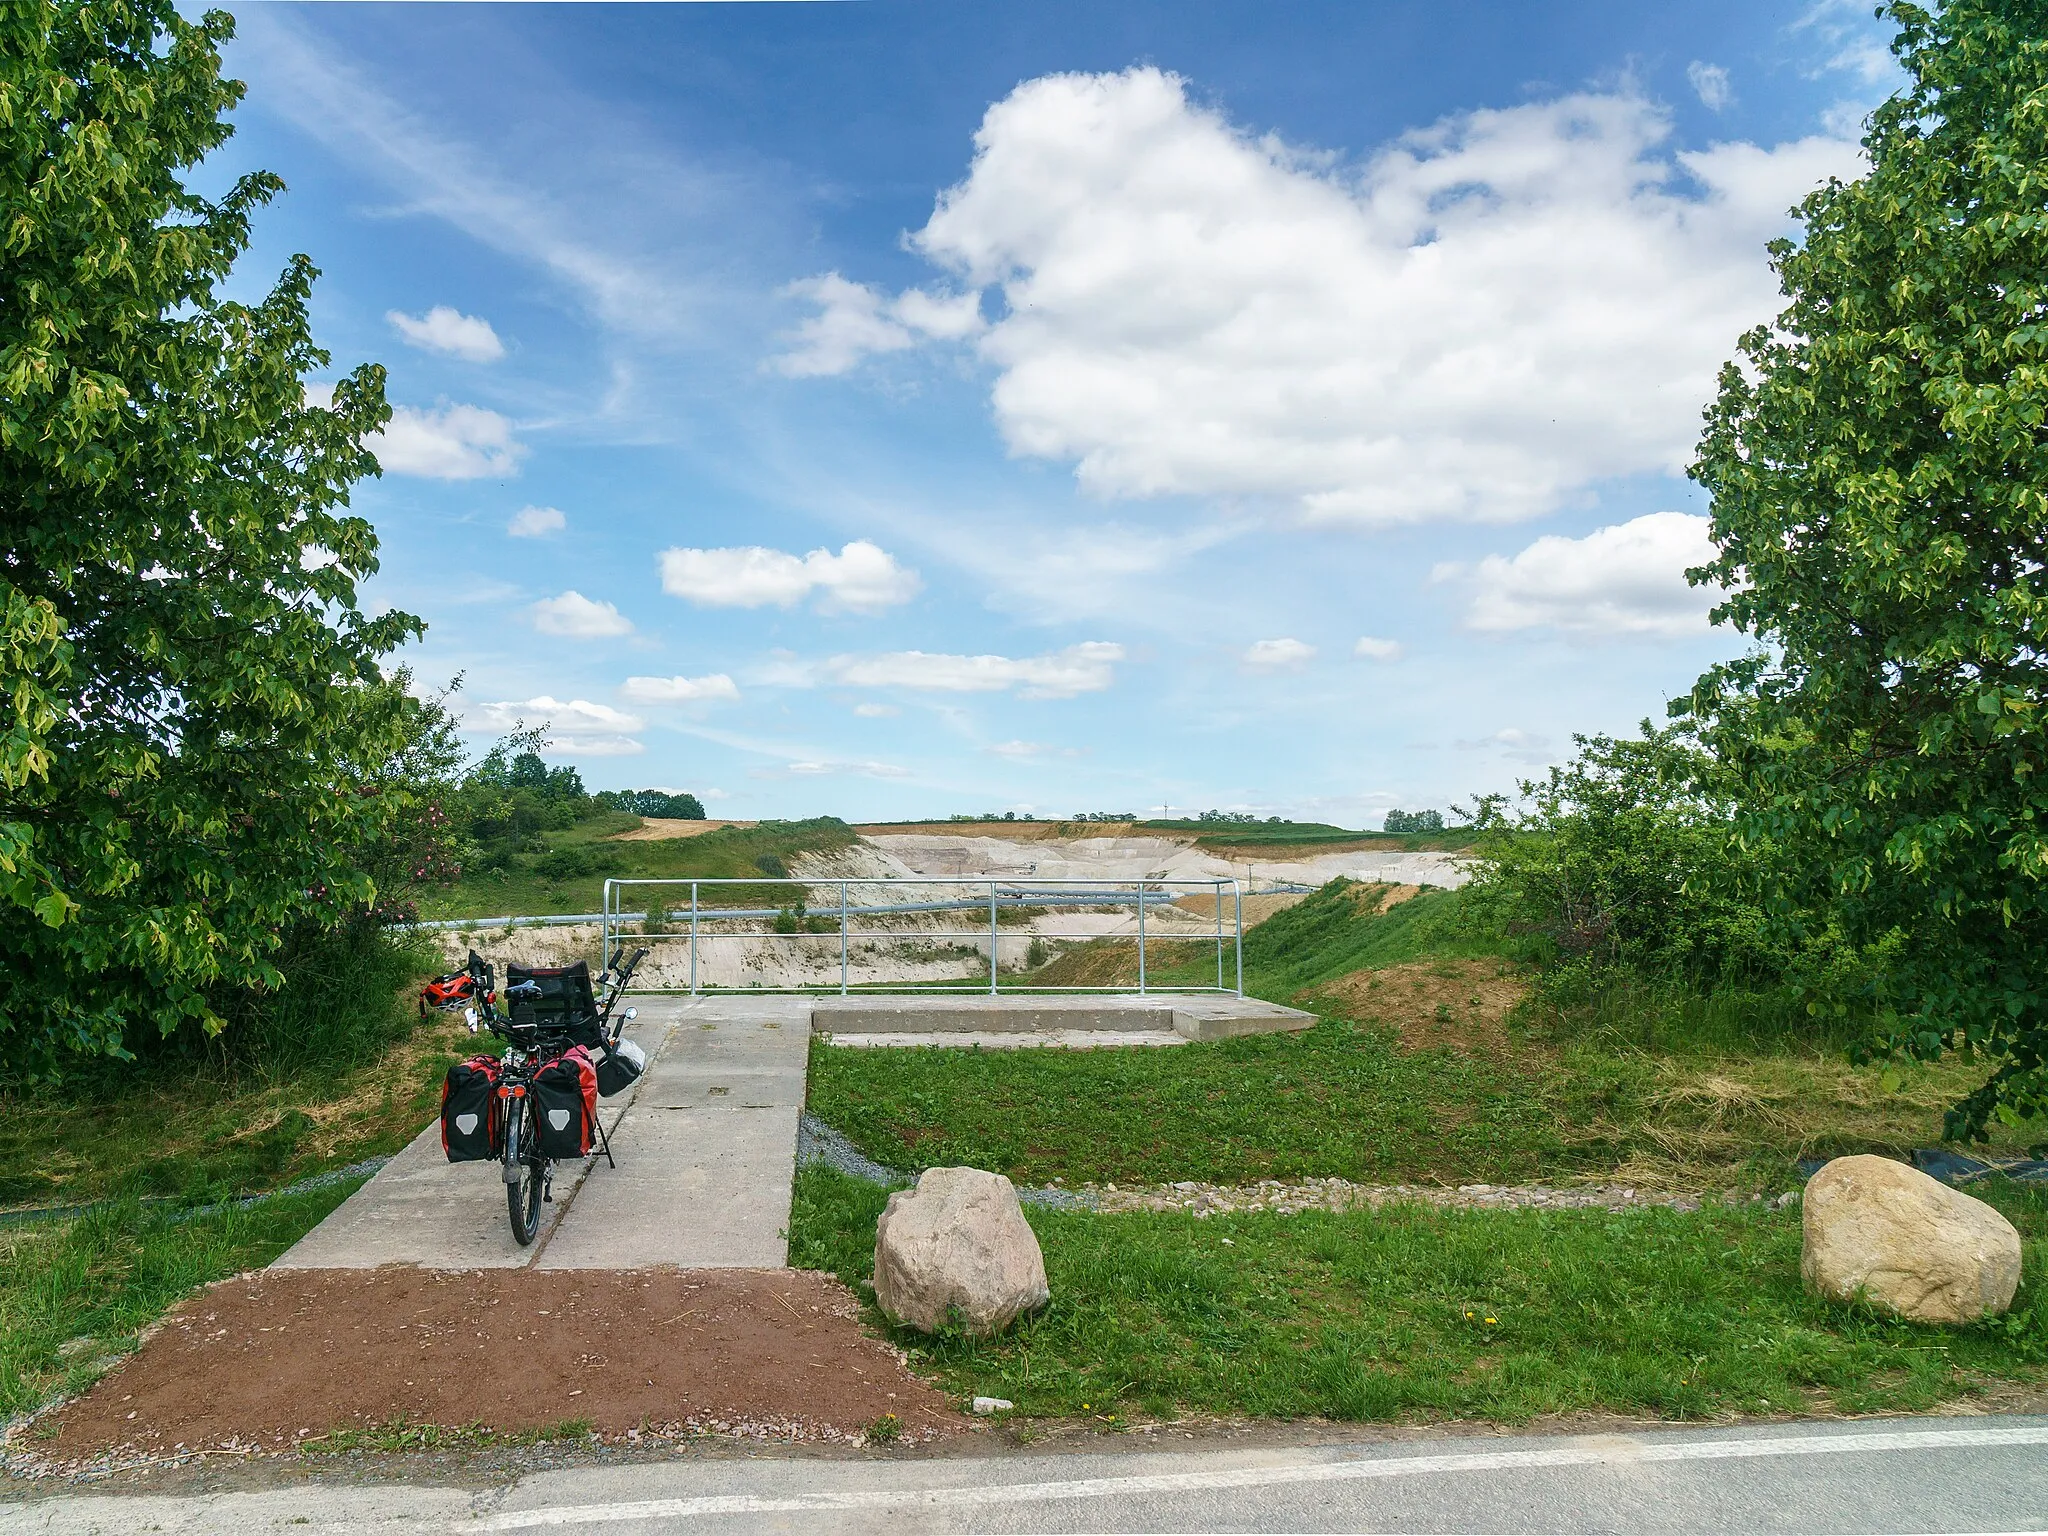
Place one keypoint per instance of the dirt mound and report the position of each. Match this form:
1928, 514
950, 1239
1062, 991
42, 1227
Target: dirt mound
283, 1357
1436, 1004
654, 829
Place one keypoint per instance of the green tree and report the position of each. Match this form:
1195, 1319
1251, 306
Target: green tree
193, 695
1879, 471
1624, 857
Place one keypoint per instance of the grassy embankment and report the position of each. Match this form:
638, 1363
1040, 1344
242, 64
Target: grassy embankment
1423, 1069
566, 870
158, 1149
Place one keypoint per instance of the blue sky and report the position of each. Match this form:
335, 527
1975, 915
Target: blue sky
889, 410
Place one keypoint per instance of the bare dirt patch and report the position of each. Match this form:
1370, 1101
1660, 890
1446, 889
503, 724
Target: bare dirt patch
1257, 908
1437, 1004
279, 1358
655, 829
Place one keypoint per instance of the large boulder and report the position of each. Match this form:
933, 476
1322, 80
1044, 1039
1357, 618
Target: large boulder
957, 1250
1908, 1244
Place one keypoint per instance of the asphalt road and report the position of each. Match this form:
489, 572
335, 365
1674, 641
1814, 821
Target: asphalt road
1900, 1475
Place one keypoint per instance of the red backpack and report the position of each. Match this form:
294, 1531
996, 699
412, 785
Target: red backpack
565, 1104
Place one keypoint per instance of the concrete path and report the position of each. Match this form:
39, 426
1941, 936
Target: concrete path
706, 1140
706, 1151
1952, 1475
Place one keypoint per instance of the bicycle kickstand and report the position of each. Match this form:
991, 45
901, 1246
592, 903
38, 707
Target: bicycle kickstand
604, 1141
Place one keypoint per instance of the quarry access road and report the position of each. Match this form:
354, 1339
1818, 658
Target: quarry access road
1977, 1474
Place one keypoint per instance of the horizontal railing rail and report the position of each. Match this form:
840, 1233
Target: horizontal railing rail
798, 915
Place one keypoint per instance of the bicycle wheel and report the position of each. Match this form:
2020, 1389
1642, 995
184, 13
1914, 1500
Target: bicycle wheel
522, 1199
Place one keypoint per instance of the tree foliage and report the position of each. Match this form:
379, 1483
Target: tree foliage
195, 715
1626, 857
1879, 471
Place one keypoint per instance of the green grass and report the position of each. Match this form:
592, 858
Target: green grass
1385, 1316
74, 1294
1558, 1095
568, 873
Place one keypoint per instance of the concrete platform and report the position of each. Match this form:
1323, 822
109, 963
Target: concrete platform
1009, 1040
1215, 1017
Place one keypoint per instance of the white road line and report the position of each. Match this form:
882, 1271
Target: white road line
1610, 1453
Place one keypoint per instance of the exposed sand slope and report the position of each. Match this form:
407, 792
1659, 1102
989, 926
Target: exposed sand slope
1152, 857
655, 829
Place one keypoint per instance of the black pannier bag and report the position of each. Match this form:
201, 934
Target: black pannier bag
566, 1001
565, 1105
470, 1131
622, 1065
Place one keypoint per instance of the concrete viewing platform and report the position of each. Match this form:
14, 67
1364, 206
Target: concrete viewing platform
1111, 1019
706, 1139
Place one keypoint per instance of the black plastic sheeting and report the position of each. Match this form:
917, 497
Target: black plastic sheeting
1955, 1169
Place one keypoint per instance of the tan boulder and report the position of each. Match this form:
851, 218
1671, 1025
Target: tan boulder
957, 1250
1909, 1244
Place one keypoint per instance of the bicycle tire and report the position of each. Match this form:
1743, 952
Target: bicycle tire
522, 1200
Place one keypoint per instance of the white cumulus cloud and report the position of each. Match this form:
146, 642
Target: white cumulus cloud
1020, 749
680, 690
446, 330
861, 578
1710, 83
1373, 648
1283, 655
1085, 668
575, 727
1628, 579
536, 522
455, 442
1484, 317
576, 617
855, 320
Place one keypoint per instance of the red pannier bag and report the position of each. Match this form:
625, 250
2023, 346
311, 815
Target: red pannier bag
565, 1104
471, 1130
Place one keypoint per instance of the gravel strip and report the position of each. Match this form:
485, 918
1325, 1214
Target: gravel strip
818, 1142
1289, 1197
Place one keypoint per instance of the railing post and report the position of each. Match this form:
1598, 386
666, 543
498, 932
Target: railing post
605, 931
693, 938
1141, 938
1237, 892
991, 938
842, 938
1218, 888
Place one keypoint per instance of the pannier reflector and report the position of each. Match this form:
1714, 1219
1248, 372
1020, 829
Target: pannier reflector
559, 1119
465, 1124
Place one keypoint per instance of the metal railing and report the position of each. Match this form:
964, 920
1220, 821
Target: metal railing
850, 917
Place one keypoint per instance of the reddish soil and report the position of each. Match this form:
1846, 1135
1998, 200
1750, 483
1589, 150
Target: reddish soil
270, 1359
1438, 1004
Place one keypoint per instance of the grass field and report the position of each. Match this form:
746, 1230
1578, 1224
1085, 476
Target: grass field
1423, 1069
568, 873
1415, 1313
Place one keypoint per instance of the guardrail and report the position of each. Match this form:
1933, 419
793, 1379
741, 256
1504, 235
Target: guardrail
701, 918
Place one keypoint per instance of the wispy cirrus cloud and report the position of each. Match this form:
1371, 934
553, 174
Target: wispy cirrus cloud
575, 727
